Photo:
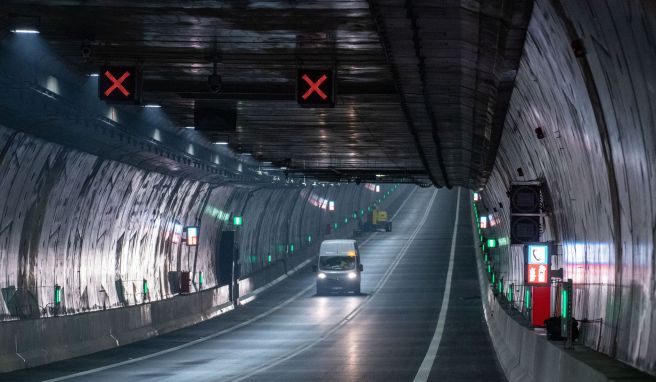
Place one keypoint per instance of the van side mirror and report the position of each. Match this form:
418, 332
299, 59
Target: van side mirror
315, 269
360, 267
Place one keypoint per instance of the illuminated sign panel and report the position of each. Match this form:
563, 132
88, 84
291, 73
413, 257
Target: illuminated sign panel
315, 88
492, 219
57, 294
118, 84
177, 233
331, 206
483, 222
537, 264
191, 236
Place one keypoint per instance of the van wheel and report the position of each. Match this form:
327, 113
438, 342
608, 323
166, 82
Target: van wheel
320, 291
356, 290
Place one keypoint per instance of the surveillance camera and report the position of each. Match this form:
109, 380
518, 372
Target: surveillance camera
214, 82
86, 51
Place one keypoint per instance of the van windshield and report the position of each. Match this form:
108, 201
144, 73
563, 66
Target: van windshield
336, 263
333, 249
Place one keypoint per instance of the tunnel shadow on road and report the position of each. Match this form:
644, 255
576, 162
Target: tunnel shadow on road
340, 294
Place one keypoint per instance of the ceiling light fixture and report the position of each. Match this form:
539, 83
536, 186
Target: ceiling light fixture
26, 31
152, 106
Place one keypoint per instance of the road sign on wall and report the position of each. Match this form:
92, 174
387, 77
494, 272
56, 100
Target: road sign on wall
119, 84
176, 235
315, 87
537, 264
191, 236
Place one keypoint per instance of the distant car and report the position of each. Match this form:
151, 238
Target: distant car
338, 267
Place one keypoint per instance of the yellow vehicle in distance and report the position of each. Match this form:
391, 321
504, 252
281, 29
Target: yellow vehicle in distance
376, 220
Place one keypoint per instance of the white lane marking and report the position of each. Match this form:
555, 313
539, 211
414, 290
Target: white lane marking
243, 300
404, 202
187, 344
429, 359
253, 295
224, 310
355, 311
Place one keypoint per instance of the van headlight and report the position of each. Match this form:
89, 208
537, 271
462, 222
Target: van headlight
352, 275
321, 276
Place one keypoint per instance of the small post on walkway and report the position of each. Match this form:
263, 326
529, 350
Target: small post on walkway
566, 312
527, 304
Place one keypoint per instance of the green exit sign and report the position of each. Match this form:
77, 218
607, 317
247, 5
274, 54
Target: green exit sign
237, 220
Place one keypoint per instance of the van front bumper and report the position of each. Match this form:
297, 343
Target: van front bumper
341, 282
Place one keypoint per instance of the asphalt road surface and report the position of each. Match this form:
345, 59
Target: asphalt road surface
419, 318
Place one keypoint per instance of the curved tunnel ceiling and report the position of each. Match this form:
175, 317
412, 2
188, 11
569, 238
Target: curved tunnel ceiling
422, 87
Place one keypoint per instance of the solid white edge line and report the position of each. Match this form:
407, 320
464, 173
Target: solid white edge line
429, 359
355, 311
187, 344
245, 299
252, 297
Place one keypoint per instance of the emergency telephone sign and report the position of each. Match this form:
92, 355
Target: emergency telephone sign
536, 264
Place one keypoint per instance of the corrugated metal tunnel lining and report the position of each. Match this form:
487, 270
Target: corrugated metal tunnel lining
596, 159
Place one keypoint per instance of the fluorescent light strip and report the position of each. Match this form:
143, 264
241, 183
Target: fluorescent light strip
26, 31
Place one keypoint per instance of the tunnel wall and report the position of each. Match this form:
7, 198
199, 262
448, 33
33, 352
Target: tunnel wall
98, 228
596, 163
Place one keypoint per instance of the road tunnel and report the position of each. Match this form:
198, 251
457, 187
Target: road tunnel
162, 222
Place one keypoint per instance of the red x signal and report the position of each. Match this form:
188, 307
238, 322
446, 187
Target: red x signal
314, 86
117, 84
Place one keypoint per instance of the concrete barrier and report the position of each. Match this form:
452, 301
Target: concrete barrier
527, 356
28, 343
33, 342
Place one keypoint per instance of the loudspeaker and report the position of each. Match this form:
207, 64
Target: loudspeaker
525, 199
224, 257
524, 229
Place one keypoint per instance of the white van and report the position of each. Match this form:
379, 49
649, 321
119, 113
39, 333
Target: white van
338, 267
